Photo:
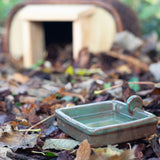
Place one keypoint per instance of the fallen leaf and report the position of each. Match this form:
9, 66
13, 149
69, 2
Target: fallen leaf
126, 91
87, 72
138, 153
3, 116
29, 113
19, 156
151, 39
158, 124
116, 92
39, 63
85, 84
98, 157
7, 129
107, 85
112, 153
67, 98
48, 154
124, 69
69, 71
128, 41
154, 69
18, 140
83, 58
157, 85
155, 145
156, 91
64, 93
50, 130
22, 121
64, 155
50, 98
20, 78
51, 106
84, 151
125, 155
135, 87
59, 144
3, 153
39, 92
109, 151
27, 99
4, 91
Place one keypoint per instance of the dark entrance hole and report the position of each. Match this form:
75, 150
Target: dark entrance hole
58, 35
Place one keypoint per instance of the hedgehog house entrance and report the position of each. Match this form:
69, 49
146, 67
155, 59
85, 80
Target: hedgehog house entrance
82, 25
58, 33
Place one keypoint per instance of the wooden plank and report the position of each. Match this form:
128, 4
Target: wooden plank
88, 12
15, 37
102, 31
33, 42
95, 29
53, 12
77, 38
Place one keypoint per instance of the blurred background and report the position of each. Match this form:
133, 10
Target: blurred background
5, 8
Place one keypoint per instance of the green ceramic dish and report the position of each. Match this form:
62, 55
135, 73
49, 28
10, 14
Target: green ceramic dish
107, 122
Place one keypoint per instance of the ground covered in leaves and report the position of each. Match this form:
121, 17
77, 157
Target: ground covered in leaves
29, 98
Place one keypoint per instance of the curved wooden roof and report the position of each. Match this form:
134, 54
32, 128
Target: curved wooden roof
99, 3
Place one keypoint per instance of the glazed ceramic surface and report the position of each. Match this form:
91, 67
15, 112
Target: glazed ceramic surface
107, 122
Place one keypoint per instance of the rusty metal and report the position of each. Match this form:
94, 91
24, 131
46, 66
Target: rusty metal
107, 122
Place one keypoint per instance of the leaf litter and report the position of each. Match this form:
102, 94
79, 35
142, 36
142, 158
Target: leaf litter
29, 98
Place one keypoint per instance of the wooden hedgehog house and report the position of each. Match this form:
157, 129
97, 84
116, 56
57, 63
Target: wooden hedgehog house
31, 26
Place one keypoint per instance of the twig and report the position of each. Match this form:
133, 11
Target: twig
29, 129
19, 156
61, 148
63, 93
119, 85
32, 130
129, 59
57, 101
2, 158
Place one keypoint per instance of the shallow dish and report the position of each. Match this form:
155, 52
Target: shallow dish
107, 122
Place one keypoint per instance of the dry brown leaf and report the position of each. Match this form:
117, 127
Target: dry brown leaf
124, 69
29, 113
18, 140
22, 121
129, 59
84, 151
50, 98
50, 107
138, 152
158, 120
2, 105
62, 92
3, 153
125, 155
99, 156
155, 145
83, 58
126, 91
27, 99
20, 78
156, 91
14, 124
54, 107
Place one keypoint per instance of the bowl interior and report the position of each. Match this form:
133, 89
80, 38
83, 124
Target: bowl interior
104, 114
